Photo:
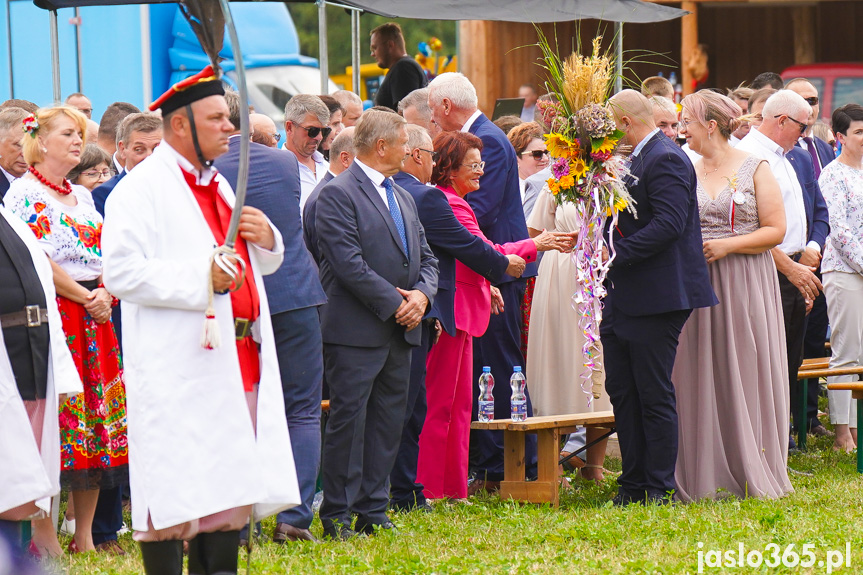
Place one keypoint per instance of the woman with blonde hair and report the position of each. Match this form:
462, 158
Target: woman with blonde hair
730, 375
94, 452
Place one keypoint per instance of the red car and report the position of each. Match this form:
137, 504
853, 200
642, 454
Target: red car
837, 83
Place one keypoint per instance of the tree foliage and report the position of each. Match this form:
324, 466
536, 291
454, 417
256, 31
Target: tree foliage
305, 17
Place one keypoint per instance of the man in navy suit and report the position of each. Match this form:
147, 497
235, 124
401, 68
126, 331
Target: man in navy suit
497, 204
820, 153
12, 164
658, 276
450, 241
342, 154
138, 135
786, 114
294, 293
380, 277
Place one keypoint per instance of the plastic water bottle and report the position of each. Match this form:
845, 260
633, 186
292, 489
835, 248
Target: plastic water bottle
518, 401
486, 399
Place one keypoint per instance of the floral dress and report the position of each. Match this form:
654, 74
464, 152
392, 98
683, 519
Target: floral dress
94, 450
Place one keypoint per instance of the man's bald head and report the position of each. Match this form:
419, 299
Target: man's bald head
634, 115
263, 130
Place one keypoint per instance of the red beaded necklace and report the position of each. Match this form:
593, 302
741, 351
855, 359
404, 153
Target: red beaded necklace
63, 191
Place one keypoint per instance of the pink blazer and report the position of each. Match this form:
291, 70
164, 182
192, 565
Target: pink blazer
473, 292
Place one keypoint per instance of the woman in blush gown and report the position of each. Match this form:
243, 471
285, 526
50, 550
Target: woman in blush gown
730, 375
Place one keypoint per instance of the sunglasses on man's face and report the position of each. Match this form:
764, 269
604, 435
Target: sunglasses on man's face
536, 154
802, 125
313, 131
812, 101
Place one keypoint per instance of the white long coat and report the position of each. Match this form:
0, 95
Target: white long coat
29, 472
192, 447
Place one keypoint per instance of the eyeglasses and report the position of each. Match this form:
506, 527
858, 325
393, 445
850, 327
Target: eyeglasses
536, 154
313, 131
475, 167
812, 101
106, 173
802, 125
434, 155
277, 136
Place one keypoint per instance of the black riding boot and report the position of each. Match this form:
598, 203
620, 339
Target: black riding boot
214, 553
162, 557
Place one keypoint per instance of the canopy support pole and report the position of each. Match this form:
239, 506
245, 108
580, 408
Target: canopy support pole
9, 49
355, 51
78, 49
55, 55
323, 55
618, 57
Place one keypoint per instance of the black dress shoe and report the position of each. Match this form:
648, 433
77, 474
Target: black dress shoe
658, 499
339, 532
420, 506
372, 528
623, 499
821, 431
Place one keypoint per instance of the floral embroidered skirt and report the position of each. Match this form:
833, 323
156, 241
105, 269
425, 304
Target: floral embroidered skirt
526, 304
94, 452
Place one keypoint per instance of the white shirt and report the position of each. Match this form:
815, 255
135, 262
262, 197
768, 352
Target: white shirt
470, 121
309, 179
643, 142
764, 148
117, 164
522, 187
202, 178
9, 176
528, 113
377, 179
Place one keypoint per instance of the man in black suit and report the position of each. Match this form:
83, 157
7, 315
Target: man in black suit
342, 154
659, 275
12, 164
380, 277
449, 240
821, 154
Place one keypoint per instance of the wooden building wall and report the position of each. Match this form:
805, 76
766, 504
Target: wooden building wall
743, 40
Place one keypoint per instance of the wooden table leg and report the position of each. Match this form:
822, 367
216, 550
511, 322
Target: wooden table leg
512, 486
858, 395
548, 470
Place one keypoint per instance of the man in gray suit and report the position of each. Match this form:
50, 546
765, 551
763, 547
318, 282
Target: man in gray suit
380, 277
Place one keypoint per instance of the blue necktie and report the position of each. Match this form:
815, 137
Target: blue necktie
395, 212
813, 151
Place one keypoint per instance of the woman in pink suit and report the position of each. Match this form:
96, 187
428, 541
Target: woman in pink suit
443, 454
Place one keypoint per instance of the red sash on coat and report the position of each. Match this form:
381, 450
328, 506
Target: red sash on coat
245, 302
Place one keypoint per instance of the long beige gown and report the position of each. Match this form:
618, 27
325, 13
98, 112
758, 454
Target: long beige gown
730, 375
554, 350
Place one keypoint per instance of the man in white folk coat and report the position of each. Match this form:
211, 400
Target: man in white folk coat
208, 437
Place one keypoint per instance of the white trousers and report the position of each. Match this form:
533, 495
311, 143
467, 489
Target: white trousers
844, 293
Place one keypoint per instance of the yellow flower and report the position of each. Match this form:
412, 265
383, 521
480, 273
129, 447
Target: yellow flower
620, 204
577, 168
558, 145
566, 182
607, 145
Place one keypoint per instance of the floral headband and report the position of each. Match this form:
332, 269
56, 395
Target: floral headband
31, 125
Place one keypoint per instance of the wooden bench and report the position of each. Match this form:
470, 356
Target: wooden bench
548, 430
816, 368
856, 389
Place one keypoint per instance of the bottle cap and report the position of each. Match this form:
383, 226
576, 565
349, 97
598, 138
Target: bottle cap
517, 369
486, 369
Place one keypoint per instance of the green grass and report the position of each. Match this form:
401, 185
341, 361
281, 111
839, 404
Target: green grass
585, 535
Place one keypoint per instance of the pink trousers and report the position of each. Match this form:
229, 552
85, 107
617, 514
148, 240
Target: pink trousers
444, 441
